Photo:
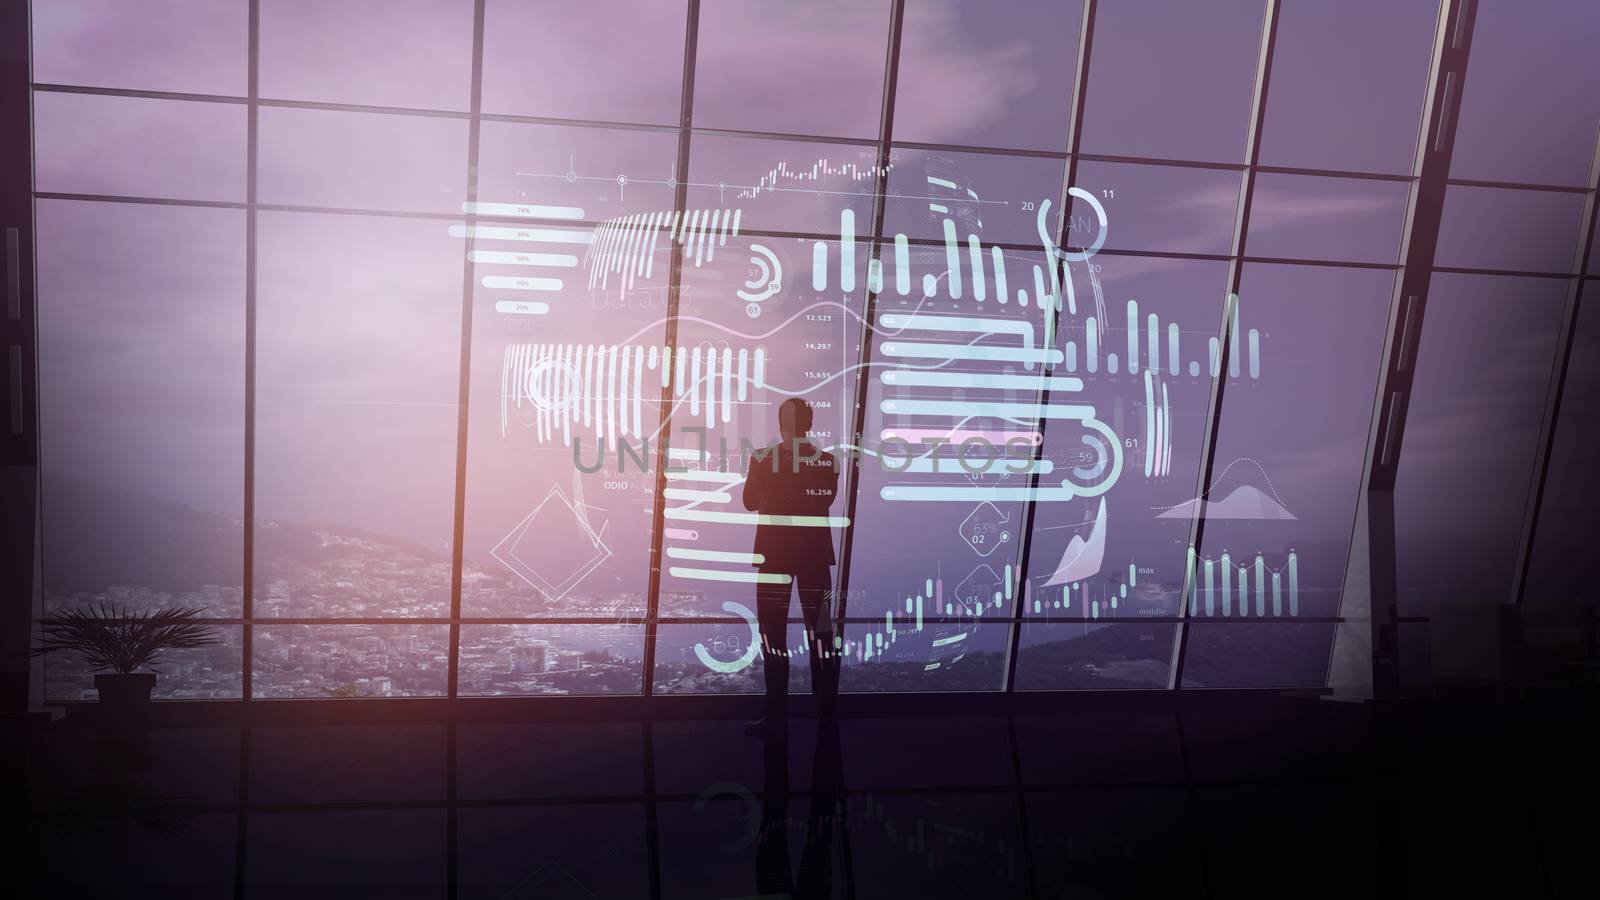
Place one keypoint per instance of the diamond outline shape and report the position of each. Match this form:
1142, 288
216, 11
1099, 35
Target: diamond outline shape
506, 551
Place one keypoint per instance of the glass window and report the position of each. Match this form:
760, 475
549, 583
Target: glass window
1095, 656
718, 657
1529, 110
751, 355
415, 53
1491, 228
791, 68
350, 661
1171, 208
551, 659
316, 157
1281, 506
1348, 81
1339, 219
955, 369
193, 46
997, 198
1172, 79
618, 62
567, 358
1141, 350
1558, 580
357, 360
568, 172
137, 513
211, 672
1140, 346
780, 185
1483, 368
132, 146
987, 75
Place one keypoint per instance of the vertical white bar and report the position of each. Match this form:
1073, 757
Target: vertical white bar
694, 382
975, 257
847, 250
727, 384
902, 265
1133, 337
952, 259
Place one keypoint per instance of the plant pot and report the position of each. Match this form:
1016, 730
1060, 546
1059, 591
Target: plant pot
125, 699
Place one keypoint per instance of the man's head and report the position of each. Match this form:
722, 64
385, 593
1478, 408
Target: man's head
794, 420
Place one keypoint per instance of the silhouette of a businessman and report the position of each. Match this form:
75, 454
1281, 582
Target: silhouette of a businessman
794, 478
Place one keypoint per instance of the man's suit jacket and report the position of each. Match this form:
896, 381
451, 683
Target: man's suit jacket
781, 483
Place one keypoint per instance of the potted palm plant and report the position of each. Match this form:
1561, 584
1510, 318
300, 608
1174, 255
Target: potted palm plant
119, 644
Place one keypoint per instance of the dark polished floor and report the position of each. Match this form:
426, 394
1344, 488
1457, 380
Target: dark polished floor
1302, 798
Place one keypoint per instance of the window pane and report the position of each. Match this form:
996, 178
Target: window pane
969, 656
783, 185
994, 197
1122, 555
596, 173
415, 53
987, 75
1281, 507
1094, 657
1482, 371
823, 59
355, 424
1340, 219
786, 334
1558, 580
949, 517
1172, 79
1347, 86
315, 157
1257, 655
1490, 228
524, 42
343, 661
131, 146
551, 659
1158, 207
1529, 110
194, 46
558, 366
718, 658
211, 672
133, 514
